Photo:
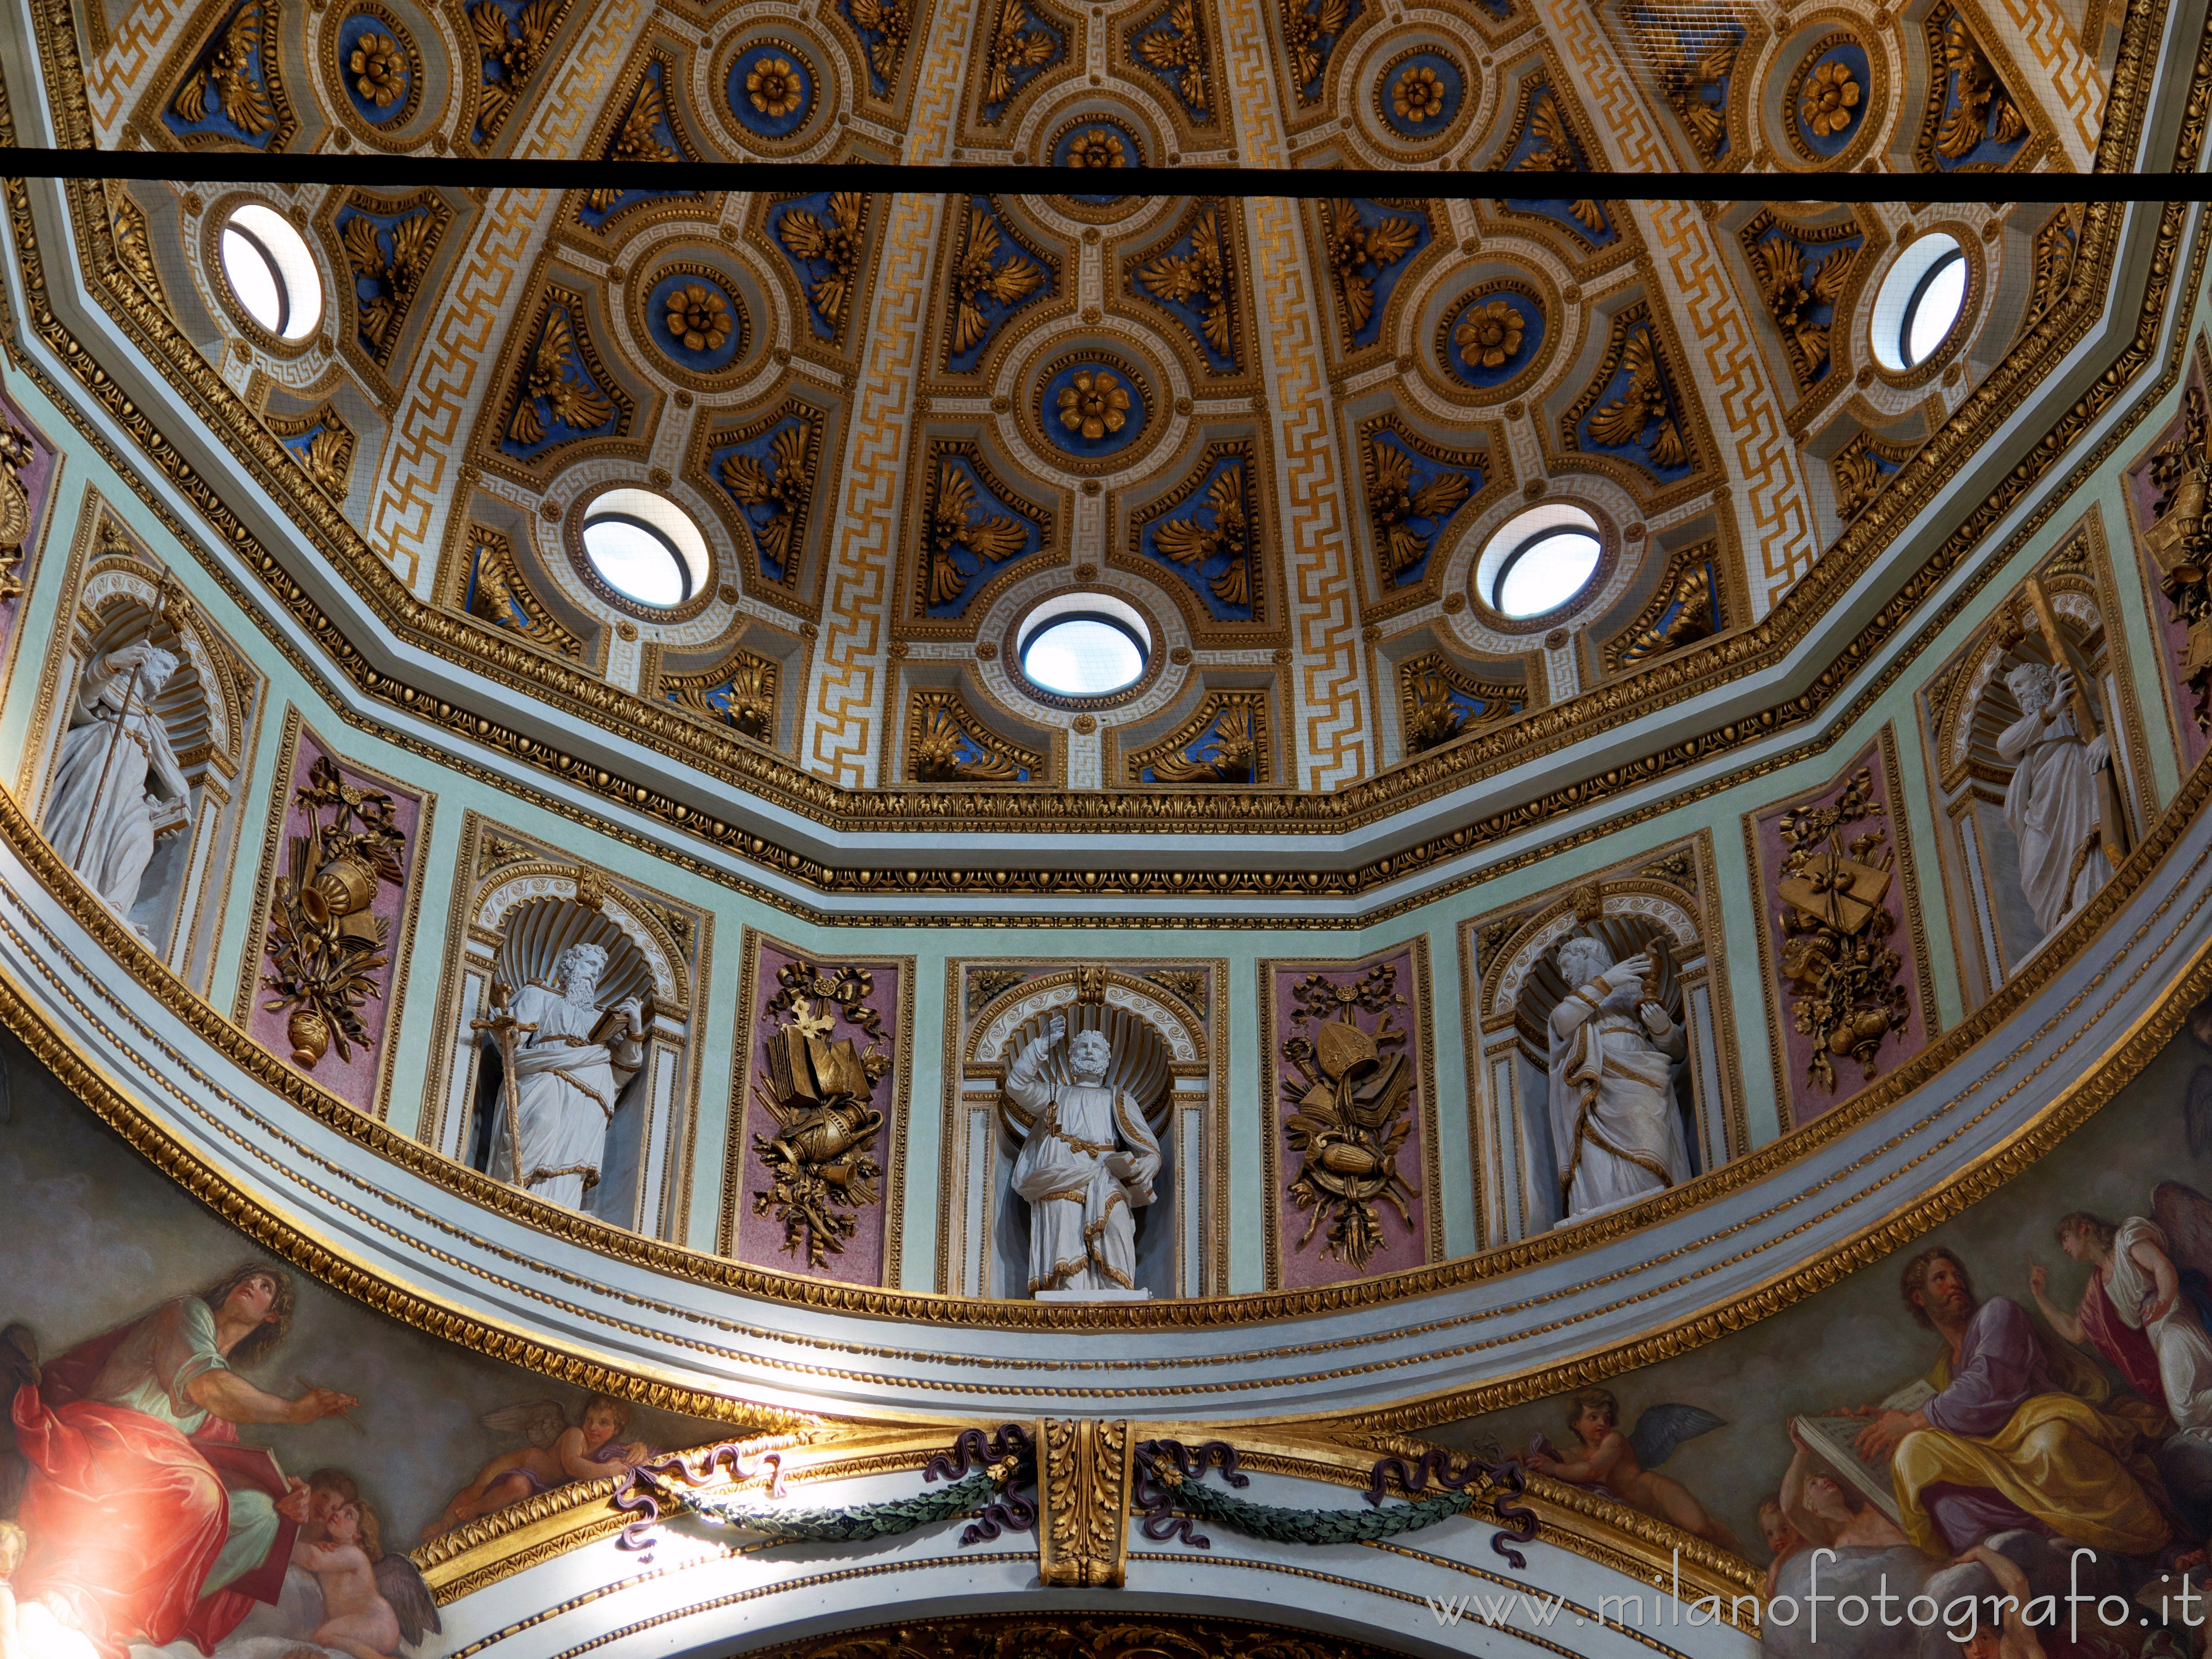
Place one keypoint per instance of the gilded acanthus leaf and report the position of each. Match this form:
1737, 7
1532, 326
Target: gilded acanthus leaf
991, 536
550, 377
1014, 47
637, 139
1393, 501
1555, 151
224, 82
1305, 31
976, 279
836, 244
1982, 108
1199, 279
1188, 542
1234, 759
892, 21
1178, 47
786, 491
1353, 247
938, 756
1644, 405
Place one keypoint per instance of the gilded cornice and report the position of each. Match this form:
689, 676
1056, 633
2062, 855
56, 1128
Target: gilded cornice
1694, 673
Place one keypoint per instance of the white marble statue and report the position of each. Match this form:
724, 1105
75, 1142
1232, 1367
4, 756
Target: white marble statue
1613, 1049
2052, 802
117, 768
1089, 1161
566, 1083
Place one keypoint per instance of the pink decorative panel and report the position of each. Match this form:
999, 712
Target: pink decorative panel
1352, 1164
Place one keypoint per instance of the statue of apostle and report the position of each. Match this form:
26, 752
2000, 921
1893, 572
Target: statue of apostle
117, 767
1079, 1182
1613, 1049
2053, 801
566, 1079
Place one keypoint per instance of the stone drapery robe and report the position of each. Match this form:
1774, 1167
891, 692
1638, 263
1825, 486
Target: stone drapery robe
1082, 1227
1614, 1123
2025, 1434
100, 817
2052, 805
568, 1085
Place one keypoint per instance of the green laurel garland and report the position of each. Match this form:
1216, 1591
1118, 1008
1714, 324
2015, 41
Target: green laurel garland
852, 1525
1281, 1526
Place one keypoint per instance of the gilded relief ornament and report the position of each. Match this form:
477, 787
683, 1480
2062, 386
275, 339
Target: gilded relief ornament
134, 245
323, 946
1199, 279
1191, 543
1830, 95
322, 443
1352, 1118
1556, 151
1094, 403
1859, 469
784, 493
1683, 610
638, 138
1358, 253
741, 696
1418, 97
1793, 294
389, 261
379, 70
1981, 108
976, 278
1082, 1533
2056, 246
1100, 146
2181, 542
1642, 415
1436, 717
838, 244
1393, 502
511, 47
1017, 50
892, 22
1177, 49
1690, 70
223, 82
499, 594
1439, 701
1836, 955
1311, 36
821, 1159
15, 457
1490, 332
1224, 742
947, 745
555, 388
987, 536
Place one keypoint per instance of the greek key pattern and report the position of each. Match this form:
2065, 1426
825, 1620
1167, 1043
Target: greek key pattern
128, 64
840, 728
423, 450
1331, 726
1621, 124
929, 133
1258, 129
1775, 512
2064, 75
558, 127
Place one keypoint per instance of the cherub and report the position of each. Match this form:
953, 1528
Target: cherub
1829, 1512
1783, 1539
372, 1603
13, 1543
557, 1453
1622, 1463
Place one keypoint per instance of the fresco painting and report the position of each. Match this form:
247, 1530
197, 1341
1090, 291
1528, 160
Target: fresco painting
207, 1452
2019, 1402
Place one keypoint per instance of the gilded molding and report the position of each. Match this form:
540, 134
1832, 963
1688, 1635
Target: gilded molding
1083, 1519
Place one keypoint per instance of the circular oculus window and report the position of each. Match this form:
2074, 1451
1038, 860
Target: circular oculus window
1919, 302
1538, 561
644, 548
1085, 645
270, 272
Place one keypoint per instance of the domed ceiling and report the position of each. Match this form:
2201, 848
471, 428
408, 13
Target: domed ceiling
1292, 444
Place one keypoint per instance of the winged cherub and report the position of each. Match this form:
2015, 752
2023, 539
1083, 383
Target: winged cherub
373, 1602
1622, 1464
557, 1454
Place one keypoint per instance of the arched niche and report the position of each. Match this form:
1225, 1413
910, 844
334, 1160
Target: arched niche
1968, 705
1520, 985
520, 914
210, 710
1162, 1057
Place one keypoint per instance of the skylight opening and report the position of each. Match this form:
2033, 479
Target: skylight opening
270, 272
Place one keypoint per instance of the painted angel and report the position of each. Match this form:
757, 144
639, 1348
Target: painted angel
557, 1454
1620, 1465
373, 1602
